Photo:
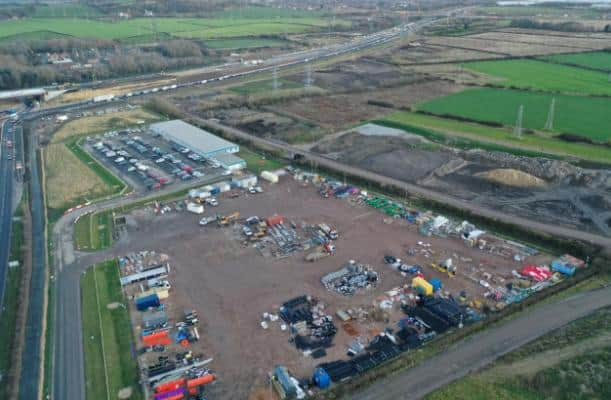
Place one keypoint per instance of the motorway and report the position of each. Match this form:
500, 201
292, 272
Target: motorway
6, 202
483, 348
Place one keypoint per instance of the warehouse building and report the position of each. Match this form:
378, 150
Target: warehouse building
195, 139
230, 162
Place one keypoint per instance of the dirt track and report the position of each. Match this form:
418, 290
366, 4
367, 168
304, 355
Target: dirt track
407, 187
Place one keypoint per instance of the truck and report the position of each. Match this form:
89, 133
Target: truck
327, 230
320, 252
195, 208
227, 219
206, 220
103, 97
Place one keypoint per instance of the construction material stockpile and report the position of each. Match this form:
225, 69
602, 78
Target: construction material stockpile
351, 278
311, 328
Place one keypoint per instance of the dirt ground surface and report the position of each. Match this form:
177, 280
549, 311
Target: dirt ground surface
231, 285
563, 194
337, 111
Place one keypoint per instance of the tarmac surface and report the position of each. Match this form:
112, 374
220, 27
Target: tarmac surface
6, 208
483, 348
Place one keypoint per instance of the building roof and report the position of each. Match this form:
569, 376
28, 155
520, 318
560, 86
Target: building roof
229, 159
197, 139
11, 94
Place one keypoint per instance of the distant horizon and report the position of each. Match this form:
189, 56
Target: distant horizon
533, 2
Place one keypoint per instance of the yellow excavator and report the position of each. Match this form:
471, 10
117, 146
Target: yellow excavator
227, 219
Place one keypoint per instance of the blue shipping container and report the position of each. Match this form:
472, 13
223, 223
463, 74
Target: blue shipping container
215, 190
144, 303
563, 268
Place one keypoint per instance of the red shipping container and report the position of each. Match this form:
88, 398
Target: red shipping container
274, 220
160, 338
202, 380
536, 273
169, 386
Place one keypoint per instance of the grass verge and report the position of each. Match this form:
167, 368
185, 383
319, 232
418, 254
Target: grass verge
573, 362
93, 232
257, 162
11, 299
110, 364
471, 135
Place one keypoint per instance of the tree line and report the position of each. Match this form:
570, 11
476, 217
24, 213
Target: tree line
24, 64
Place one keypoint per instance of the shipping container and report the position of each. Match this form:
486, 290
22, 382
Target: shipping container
202, 380
195, 208
224, 187
563, 268
274, 220
161, 292
144, 303
160, 338
171, 385
172, 395
155, 319
269, 176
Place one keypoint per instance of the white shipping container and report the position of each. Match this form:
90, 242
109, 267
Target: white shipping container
269, 176
203, 195
247, 182
224, 187
195, 208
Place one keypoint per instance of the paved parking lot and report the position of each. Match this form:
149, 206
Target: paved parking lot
147, 161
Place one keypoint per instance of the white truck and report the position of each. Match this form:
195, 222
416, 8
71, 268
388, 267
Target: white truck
195, 208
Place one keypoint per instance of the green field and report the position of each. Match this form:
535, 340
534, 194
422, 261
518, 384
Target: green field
244, 43
572, 363
539, 75
600, 60
265, 86
107, 335
180, 27
258, 163
468, 135
264, 12
586, 116
93, 232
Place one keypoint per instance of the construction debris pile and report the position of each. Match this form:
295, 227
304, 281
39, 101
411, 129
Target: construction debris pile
143, 265
351, 278
310, 327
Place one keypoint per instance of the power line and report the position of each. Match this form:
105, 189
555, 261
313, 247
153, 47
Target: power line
517, 129
308, 75
549, 124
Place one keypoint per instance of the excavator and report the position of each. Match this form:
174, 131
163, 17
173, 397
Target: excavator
227, 219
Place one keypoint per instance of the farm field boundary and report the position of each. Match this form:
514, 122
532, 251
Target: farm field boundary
470, 135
